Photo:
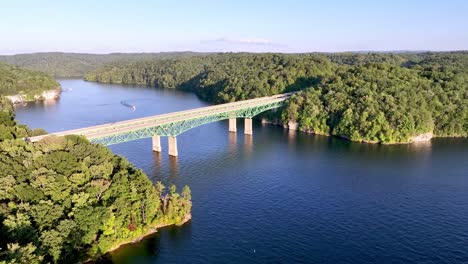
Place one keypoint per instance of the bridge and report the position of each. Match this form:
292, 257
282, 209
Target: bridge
173, 124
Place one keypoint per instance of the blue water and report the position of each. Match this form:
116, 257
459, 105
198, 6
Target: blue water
281, 196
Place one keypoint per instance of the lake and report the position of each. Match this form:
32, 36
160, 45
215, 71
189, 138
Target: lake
281, 196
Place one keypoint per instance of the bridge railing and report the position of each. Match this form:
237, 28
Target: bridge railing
179, 119
169, 117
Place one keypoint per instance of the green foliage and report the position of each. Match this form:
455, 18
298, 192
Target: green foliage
9, 129
373, 97
60, 64
64, 200
222, 77
373, 102
29, 83
448, 73
37, 132
17, 254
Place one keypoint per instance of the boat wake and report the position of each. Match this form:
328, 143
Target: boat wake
124, 103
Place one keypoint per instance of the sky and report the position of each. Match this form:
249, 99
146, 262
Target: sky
107, 26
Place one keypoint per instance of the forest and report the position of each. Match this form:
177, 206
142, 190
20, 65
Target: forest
66, 65
15, 80
65, 200
372, 97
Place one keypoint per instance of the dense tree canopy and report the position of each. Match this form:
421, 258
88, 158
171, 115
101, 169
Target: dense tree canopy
9, 129
60, 64
222, 77
377, 103
15, 80
374, 97
65, 200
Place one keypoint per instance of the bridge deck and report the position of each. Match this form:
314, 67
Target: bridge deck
157, 120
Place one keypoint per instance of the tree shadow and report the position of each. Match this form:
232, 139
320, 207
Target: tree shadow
208, 92
302, 83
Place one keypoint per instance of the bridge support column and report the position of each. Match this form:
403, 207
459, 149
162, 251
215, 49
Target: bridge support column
248, 126
232, 125
156, 143
172, 142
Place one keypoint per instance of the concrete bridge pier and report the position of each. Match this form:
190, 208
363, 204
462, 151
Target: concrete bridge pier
248, 126
172, 142
157, 143
232, 125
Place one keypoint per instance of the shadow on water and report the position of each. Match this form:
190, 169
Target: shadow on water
292, 196
299, 144
309, 142
147, 250
267, 138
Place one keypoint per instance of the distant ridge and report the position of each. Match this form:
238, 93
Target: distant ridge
68, 65
60, 64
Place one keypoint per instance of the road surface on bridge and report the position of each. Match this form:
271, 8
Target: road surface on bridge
120, 127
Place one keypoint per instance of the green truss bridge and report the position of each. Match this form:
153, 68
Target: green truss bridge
173, 124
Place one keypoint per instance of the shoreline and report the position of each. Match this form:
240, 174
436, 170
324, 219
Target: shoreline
150, 232
421, 138
21, 98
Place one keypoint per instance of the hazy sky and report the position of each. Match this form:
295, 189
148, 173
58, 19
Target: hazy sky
238, 25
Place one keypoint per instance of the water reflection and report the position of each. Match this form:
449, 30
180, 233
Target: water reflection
232, 145
158, 166
411, 199
147, 250
49, 102
36, 105
173, 168
248, 144
317, 143
134, 252
291, 137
